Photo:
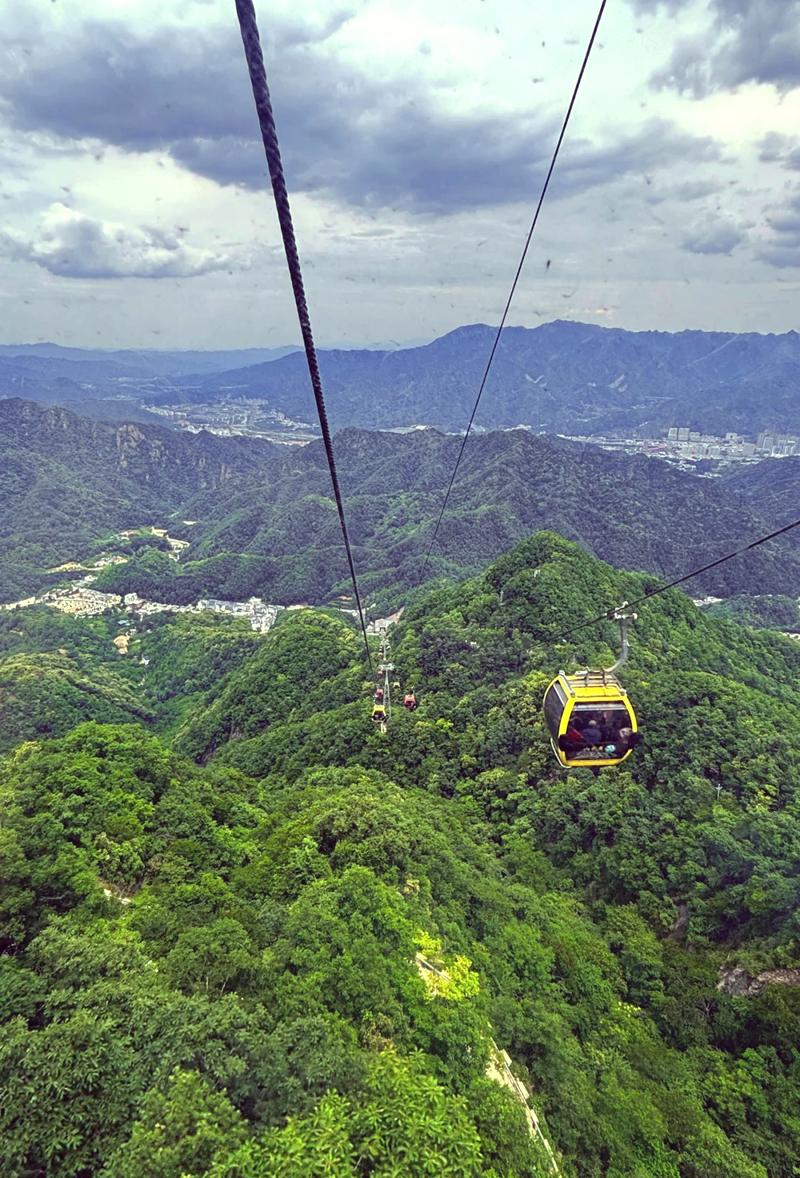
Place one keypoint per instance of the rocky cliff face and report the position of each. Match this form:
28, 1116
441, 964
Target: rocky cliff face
738, 982
176, 465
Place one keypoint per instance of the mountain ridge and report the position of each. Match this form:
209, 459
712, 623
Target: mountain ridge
300, 951
561, 376
266, 522
68, 479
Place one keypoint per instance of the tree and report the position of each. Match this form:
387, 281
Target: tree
405, 1123
179, 1132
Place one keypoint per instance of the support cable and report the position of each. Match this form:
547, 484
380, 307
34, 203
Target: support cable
512, 292
611, 613
248, 26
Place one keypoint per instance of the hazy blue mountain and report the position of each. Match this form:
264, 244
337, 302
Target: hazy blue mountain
151, 361
108, 385
561, 377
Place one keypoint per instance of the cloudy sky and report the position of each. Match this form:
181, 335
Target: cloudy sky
415, 135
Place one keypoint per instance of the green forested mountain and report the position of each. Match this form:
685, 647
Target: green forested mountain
56, 671
764, 611
271, 941
773, 484
267, 525
67, 481
632, 511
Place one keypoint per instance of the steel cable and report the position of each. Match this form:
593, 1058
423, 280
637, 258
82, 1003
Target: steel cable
609, 614
512, 292
248, 26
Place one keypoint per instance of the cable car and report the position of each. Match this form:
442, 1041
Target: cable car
590, 719
382, 700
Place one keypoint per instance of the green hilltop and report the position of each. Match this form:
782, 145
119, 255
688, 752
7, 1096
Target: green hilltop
245, 934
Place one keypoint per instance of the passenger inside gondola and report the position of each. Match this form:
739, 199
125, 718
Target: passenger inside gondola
591, 732
590, 720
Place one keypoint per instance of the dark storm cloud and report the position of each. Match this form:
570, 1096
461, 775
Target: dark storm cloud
712, 237
409, 157
342, 132
657, 144
355, 137
747, 41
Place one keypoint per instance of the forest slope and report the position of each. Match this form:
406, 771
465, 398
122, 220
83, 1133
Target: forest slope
632, 511
211, 970
67, 480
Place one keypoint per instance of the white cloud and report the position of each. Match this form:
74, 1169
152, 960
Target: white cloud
73, 245
713, 236
782, 249
747, 41
783, 149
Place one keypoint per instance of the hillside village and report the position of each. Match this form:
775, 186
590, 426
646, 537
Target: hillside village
79, 599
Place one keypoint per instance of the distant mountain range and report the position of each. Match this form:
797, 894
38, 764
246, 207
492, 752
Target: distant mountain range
110, 385
267, 523
136, 361
560, 377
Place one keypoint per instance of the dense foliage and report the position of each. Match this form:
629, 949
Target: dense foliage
56, 671
767, 611
68, 481
295, 958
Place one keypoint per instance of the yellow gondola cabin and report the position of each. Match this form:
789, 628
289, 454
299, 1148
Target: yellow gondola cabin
591, 721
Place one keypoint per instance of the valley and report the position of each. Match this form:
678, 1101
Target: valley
81, 601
